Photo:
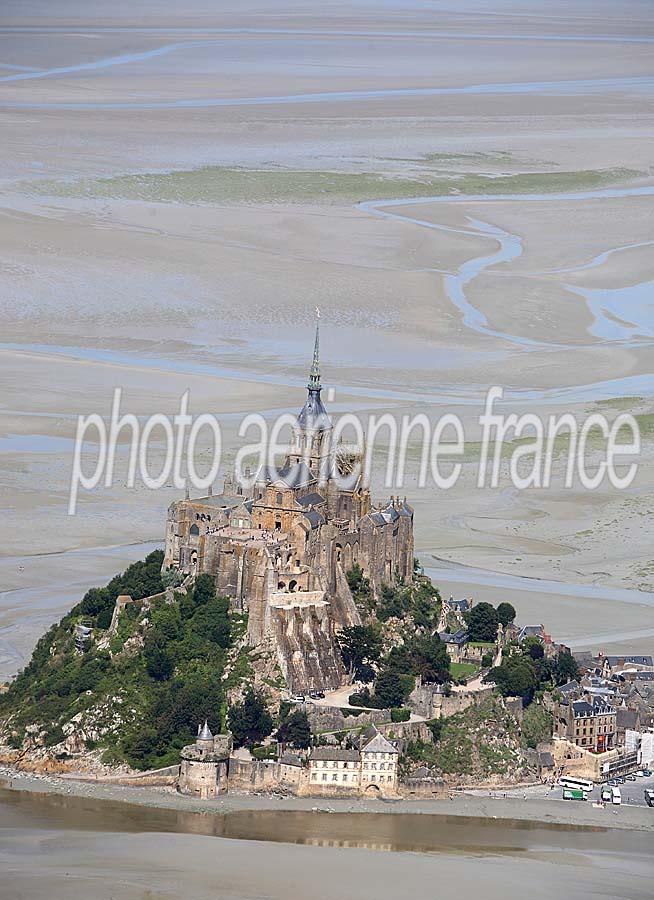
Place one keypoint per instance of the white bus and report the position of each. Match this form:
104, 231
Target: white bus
616, 796
581, 784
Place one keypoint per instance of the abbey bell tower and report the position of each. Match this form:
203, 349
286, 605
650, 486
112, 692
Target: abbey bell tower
312, 432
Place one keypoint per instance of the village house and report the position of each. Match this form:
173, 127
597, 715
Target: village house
370, 770
590, 725
614, 665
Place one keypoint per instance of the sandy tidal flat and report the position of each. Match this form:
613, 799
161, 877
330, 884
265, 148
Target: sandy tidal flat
179, 191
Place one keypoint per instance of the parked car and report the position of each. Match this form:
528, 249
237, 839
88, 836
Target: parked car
314, 695
298, 698
630, 777
649, 797
613, 782
648, 773
620, 779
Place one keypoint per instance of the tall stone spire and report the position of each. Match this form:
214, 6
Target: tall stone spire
314, 374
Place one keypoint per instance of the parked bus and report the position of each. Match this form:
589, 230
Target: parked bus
580, 784
616, 796
649, 796
573, 794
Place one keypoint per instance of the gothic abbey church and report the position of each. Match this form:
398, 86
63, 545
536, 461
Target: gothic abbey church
280, 549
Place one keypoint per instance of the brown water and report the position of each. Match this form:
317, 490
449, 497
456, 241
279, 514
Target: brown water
33, 811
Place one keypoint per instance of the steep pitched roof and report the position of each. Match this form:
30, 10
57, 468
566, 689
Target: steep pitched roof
379, 743
314, 518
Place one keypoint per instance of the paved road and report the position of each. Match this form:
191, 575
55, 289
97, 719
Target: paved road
631, 791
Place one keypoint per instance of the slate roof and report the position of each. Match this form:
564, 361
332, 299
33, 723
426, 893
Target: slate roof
530, 631
295, 476
204, 733
314, 518
312, 499
313, 414
290, 759
459, 637
462, 605
597, 708
633, 660
569, 688
379, 743
335, 753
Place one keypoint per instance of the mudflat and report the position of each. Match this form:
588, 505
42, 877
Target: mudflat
467, 197
68, 846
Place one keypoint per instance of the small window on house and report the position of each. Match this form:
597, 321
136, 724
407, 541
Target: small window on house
278, 498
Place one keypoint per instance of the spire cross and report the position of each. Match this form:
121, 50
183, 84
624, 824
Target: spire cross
314, 374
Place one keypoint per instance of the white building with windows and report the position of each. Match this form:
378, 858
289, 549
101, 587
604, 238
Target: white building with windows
371, 770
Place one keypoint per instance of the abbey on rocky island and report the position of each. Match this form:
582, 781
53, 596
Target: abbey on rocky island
281, 548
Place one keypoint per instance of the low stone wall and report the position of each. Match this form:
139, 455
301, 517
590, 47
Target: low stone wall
423, 788
406, 731
152, 778
252, 776
331, 718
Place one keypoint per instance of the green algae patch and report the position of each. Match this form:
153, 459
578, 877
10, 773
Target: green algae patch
217, 184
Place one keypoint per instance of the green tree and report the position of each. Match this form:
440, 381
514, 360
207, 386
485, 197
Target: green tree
565, 668
533, 647
515, 677
204, 590
482, 621
159, 663
167, 620
425, 655
389, 688
295, 729
211, 621
360, 647
249, 721
506, 613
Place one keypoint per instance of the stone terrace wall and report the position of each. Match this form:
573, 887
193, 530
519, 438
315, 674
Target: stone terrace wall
331, 718
426, 700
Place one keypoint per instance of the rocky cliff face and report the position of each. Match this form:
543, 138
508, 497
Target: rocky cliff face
307, 650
